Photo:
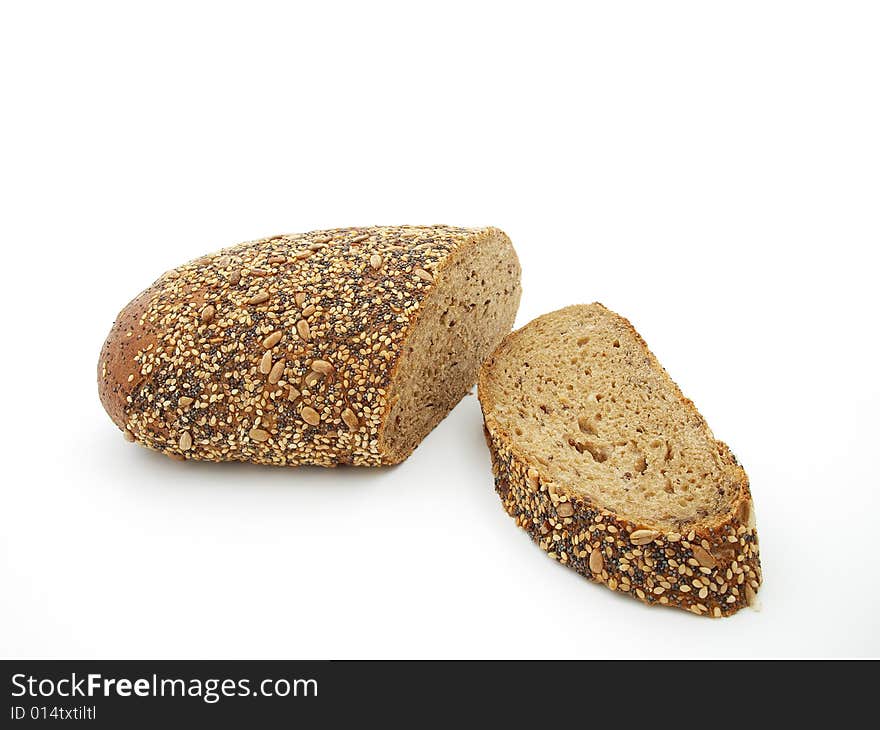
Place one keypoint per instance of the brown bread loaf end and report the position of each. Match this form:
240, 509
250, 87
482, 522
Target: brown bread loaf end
343, 346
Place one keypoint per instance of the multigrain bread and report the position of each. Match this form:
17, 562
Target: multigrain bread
332, 347
611, 470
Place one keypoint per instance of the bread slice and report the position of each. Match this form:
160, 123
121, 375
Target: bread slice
344, 346
611, 470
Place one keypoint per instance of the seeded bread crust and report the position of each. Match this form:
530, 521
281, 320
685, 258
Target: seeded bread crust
281, 350
712, 570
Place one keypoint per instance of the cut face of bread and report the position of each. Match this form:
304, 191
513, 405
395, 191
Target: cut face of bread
461, 321
332, 347
597, 453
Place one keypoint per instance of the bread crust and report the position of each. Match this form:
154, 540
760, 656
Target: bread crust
712, 570
192, 368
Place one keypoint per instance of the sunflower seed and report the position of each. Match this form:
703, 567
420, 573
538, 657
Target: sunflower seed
259, 298
186, 441
643, 537
308, 311
376, 261
277, 371
235, 277
565, 509
300, 298
266, 363
208, 314
533, 478
258, 434
185, 401
350, 419
597, 561
302, 327
272, 340
422, 274
704, 557
277, 259
292, 393
311, 416
322, 366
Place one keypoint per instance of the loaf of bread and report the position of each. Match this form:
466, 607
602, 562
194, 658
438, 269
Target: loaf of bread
611, 470
332, 347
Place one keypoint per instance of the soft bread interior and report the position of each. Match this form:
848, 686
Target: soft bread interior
580, 396
471, 307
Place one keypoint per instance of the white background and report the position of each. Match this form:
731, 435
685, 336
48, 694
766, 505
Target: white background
709, 170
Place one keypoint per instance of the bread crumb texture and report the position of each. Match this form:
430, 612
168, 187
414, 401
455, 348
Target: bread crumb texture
611, 470
295, 349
